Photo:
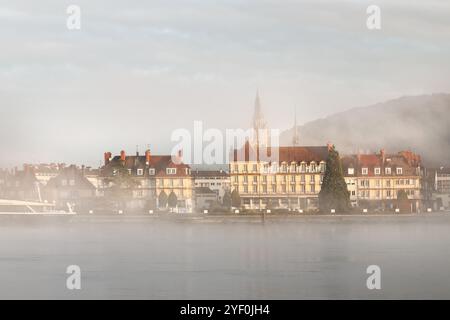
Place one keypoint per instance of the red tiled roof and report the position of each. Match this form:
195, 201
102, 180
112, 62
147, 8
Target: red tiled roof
157, 162
299, 154
285, 154
406, 160
369, 160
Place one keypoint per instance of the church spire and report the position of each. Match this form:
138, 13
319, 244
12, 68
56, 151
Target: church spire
295, 136
257, 115
259, 123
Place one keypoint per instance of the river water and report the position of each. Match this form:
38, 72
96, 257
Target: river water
323, 258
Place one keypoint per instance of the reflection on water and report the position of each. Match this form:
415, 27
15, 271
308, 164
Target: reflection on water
315, 258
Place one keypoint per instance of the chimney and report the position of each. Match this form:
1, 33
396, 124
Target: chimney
106, 157
180, 154
122, 155
147, 157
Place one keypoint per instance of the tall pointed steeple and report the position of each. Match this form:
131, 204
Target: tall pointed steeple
258, 117
295, 136
260, 134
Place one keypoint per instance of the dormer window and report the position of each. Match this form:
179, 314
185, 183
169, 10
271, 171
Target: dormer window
151, 171
303, 167
129, 171
365, 171
387, 170
399, 171
140, 172
351, 171
377, 171
171, 170
322, 167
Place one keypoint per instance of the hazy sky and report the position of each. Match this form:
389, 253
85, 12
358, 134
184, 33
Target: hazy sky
139, 69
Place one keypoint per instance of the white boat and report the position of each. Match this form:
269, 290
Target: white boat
31, 208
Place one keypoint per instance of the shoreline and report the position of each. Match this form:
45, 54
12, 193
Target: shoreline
256, 218
220, 218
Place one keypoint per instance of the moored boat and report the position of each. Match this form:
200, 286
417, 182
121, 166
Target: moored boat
31, 208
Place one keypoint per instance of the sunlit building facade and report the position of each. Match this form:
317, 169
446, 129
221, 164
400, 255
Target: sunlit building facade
374, 180
292, 182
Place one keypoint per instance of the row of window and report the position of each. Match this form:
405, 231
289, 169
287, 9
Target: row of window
282, 189
142, 193
275, 168
377, 194
209, 184
274, 179
151, 171
65, 182
170, 182
377, 171
365, 183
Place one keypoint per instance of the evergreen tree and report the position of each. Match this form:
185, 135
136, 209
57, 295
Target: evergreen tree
121, 185
162, 199
334, 193
172, 200
235, 199
226, 201
402, 201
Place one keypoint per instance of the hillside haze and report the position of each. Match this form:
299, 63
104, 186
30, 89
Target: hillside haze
418, 123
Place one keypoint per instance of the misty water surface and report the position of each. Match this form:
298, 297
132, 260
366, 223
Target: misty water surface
315, 258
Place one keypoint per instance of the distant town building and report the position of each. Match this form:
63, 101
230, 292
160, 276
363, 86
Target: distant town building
291, 182
4, 177
205, 198
21, 185
439, 187
152, 179
44, 172
217, 181
442, 180
70, 186
374, 180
